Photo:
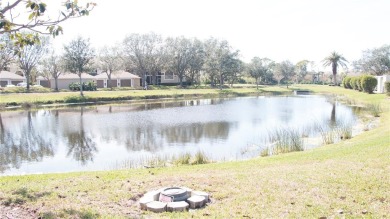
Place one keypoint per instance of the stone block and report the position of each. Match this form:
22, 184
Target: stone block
200, 193
145, 200
196, 201
156, 206
189, 191
177, 206
154, 194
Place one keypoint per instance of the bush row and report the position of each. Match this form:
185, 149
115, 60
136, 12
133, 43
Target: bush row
89, 86
366, 83
387, 87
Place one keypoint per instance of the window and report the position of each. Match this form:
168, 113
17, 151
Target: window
168, 76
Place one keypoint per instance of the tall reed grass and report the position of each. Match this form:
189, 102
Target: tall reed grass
374, 109
286, 140
328, 134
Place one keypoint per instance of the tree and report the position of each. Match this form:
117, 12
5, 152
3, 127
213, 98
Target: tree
301, 69
335, 59
19, 15
52, 67
110, 60
7, 52
179, 56
140, 52
284, 70
211, 61
196, 62
236, 67
29, 57
375, 61
219, 59
258, 68
78, 56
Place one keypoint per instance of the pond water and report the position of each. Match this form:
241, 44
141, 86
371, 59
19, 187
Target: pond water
105, 137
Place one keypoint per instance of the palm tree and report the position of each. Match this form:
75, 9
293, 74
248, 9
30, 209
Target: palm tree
335, 60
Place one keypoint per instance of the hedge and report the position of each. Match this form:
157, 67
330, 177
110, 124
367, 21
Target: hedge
387, 87
368, 83
346, 82
89, 86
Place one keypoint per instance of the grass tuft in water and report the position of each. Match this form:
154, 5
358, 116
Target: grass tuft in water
183, 159
344, 130
200, 158
286, 140
374, 109
265, 152
327, 134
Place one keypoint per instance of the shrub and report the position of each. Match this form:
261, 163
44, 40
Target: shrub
89, 86
75, 99
358, 84
368, 83
346, 82
74, 86
352, 83
387, 87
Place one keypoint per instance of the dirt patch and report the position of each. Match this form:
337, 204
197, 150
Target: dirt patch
16, 212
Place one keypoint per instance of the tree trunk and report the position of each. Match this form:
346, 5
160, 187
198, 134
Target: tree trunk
220, 82
334, 70
109, 81
181, 80
56, 83
28, 80
81, 86
257, 83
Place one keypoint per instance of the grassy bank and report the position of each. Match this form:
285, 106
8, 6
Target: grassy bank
37, 99
348, 179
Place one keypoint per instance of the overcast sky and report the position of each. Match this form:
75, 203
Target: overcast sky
277, 29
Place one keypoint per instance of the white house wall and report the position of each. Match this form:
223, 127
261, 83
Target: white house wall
380, 88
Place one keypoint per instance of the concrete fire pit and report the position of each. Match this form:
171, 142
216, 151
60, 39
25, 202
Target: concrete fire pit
173, 199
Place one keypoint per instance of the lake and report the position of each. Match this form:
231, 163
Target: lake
104, 137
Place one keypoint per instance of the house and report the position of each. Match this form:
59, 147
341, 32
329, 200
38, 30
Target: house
118, 79
64, 80
164, 78
380, 87
8, 78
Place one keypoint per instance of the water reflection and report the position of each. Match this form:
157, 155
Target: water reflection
80, 143
90, 137
28, 144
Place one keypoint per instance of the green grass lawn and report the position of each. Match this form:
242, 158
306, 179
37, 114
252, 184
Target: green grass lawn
61, 97
349, 179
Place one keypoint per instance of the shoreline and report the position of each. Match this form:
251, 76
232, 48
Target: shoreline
348, 176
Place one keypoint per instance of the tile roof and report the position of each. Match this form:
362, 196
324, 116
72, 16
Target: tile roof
10, 75
117, 75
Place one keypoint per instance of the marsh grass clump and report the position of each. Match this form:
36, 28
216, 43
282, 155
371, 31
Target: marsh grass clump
374, 109
157, 161
187, 159
327, 134
183, 159
286, 140
200, 158
344, 131
75, 99
265, 152
27, 105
